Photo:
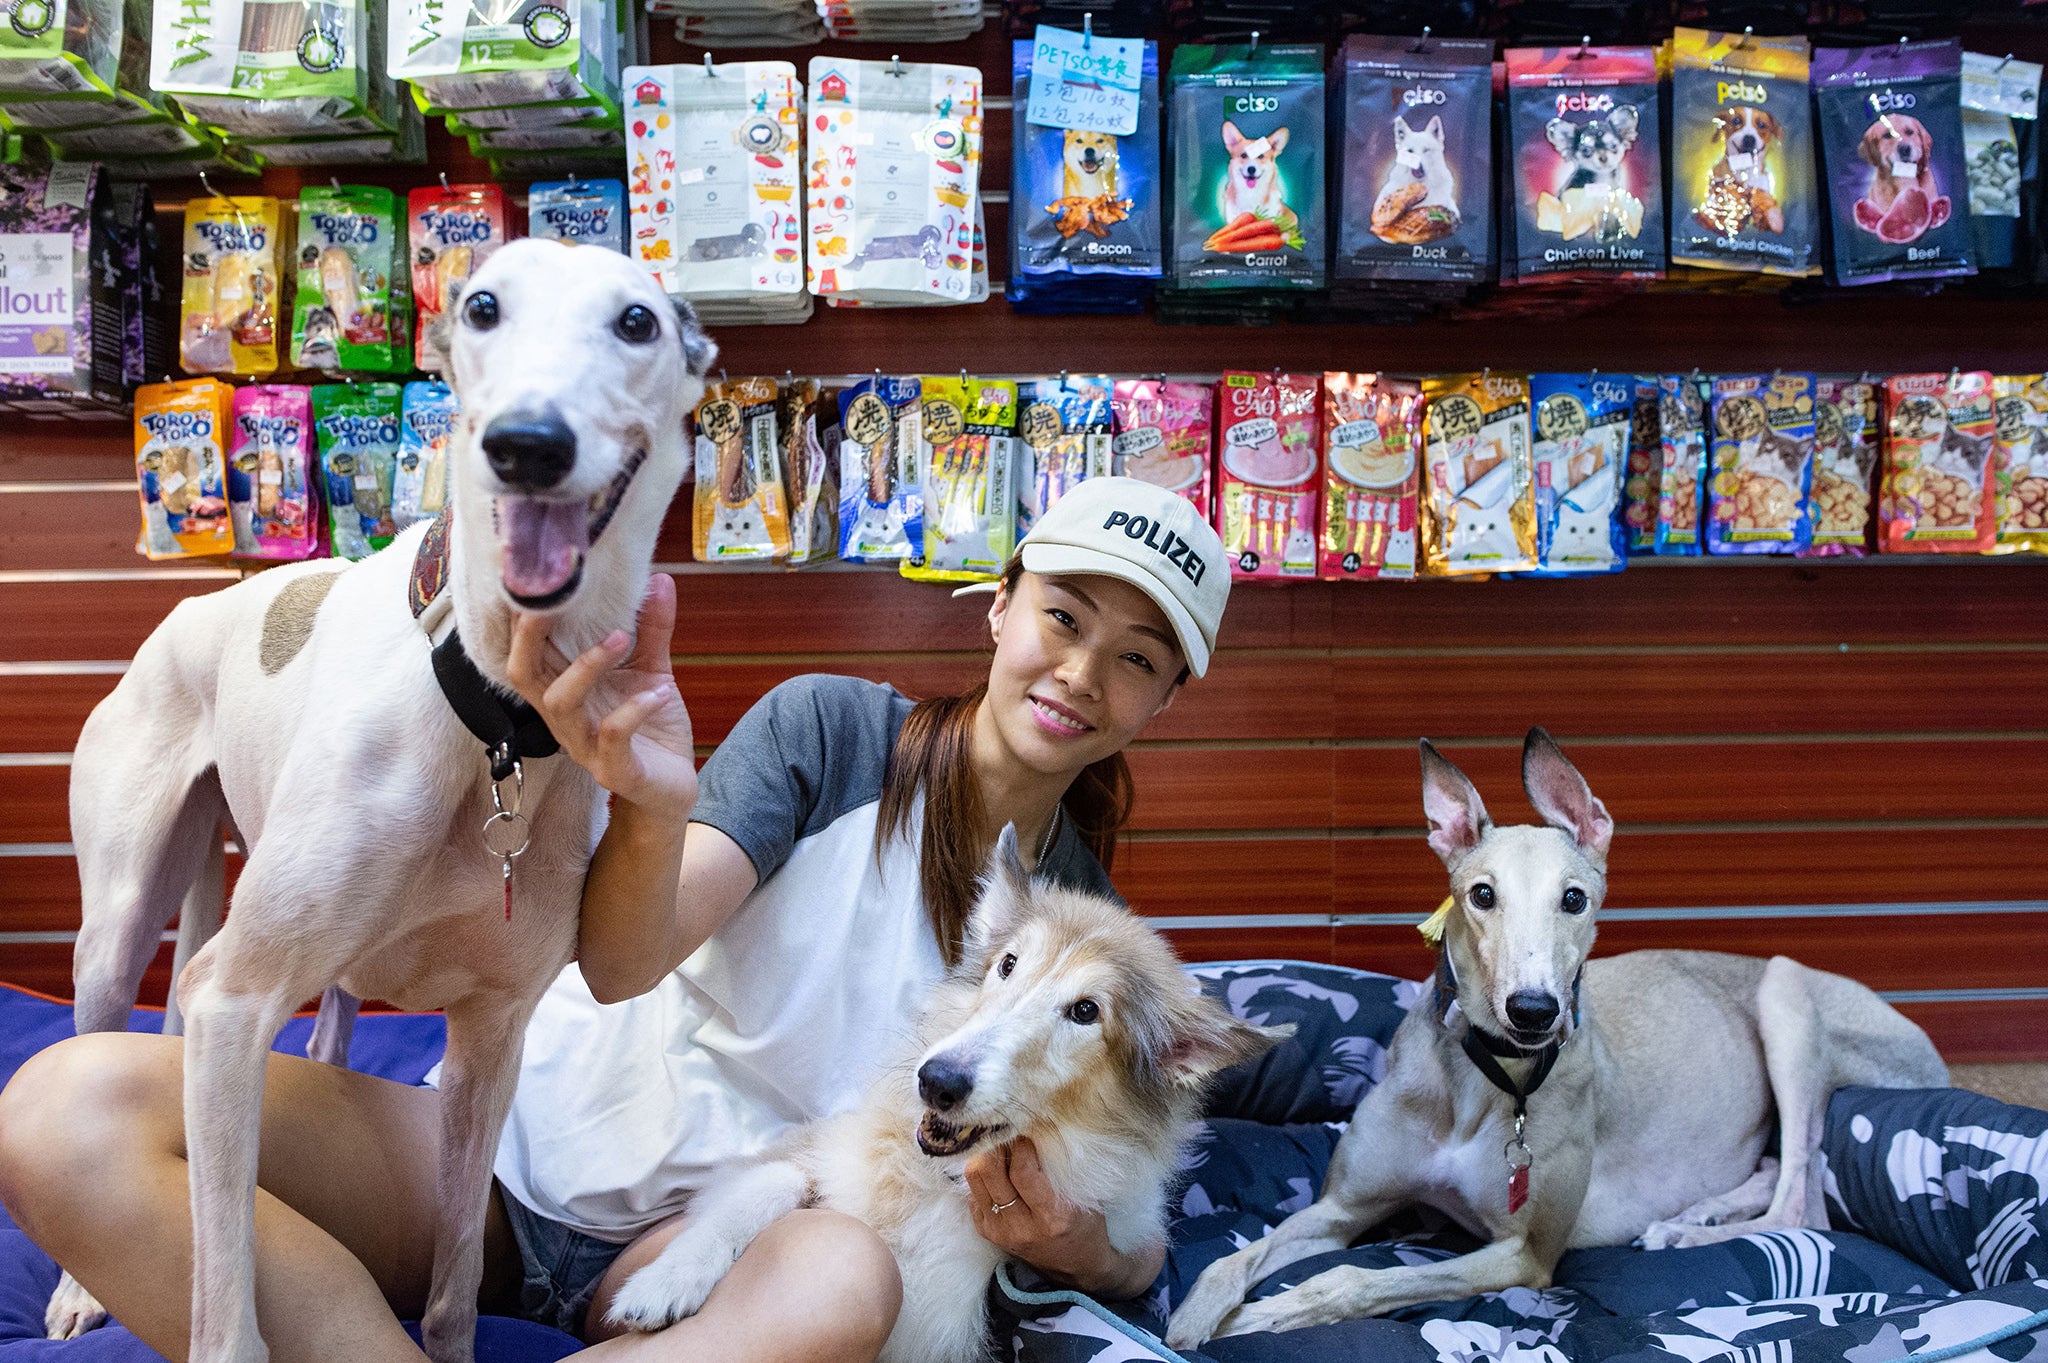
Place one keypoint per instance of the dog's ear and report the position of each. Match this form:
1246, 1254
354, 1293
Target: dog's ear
1278, 140
1232, 138
1724, 123
1005, 890
1457, 816
1401, 128
1206, 1039
699, 350
1870, 148
1624, 120
1562, 796
1563, 133
1436, 127
1768, 125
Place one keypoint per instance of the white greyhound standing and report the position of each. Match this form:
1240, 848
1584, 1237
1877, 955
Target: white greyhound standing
303, 705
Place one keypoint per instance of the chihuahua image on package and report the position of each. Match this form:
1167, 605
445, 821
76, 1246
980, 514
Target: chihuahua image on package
1596, 198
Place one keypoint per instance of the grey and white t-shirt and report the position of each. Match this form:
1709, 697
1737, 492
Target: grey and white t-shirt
784, 1016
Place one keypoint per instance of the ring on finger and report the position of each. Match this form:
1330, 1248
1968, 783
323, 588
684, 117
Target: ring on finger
1000, 1207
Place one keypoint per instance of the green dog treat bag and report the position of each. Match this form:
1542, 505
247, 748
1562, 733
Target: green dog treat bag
356, 427
352, 311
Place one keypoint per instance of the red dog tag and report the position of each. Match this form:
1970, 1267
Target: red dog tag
1518, 1188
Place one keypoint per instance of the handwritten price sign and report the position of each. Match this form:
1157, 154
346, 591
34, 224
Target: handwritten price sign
1086, 83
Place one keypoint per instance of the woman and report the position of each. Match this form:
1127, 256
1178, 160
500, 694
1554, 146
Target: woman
765, 935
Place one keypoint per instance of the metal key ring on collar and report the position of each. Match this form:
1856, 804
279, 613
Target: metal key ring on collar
513, 834
1508, 1150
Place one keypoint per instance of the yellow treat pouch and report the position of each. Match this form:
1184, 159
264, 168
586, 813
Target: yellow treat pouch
740, 510
2020, 455
965, 454
229, 319
1479, 487
180, 466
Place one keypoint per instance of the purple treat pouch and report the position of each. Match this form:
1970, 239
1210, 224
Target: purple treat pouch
270, 474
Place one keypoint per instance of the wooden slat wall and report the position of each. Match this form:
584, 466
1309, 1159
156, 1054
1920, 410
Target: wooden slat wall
1846, 762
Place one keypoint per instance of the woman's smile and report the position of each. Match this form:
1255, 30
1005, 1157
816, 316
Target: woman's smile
1057, 719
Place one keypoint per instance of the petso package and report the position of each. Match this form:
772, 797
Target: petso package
453, 231
1479, 488
1162, 436
1891, 133
1066, 428
357, 426
1682, 472
419, 484
1844, 466
233, 287
2020, 463
966, 459
1763, 464
1645, 462
270, 473
1247, 139
740, 512
1581, 424
181, 431
579, 212
1939, 495
1372, 460
881, 501
1585, 151
1269, 483
1417, 168
1742, 186
2002, 157
352, 310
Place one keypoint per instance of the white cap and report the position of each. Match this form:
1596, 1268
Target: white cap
1138, 532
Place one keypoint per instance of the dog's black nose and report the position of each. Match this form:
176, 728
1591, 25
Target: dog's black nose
1531, 1010
944, 1083
530, 449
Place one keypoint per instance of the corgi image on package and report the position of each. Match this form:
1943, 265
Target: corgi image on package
1254, 182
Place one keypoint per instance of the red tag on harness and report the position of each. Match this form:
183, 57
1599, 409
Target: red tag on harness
1518, 1188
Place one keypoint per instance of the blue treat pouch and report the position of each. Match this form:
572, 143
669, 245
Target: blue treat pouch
881, 499
1581, 426
579, 212
1762, 428
419, 488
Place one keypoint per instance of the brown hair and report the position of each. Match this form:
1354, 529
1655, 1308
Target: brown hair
932, 755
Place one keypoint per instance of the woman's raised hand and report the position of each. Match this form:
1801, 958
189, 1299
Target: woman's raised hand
616, 710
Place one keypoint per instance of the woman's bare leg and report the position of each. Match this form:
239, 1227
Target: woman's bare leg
92, 1167
815, 1287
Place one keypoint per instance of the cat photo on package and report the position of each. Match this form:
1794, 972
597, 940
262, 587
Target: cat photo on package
2020, 462
1762, 428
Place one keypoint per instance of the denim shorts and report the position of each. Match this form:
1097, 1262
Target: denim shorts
559, 1267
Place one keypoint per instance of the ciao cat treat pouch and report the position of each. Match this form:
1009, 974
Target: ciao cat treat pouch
1844, 466
1939, 494
181, 430
1417, 160
357, 427
270, 473
1891, 134
1247, 138
579, 212
419, 485
1268, 488
229, 318
1761, 428
1743, 195
1478, 500
1372, 460
1584, 143
453, 231
808, 422
740, 512
1066, 429
352, 310
2020, 463
1682, 471
1645, 459
1581, 424
1162, 436
881, 501
966, 458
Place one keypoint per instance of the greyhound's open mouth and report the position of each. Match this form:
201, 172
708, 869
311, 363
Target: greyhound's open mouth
542, 540
939, 1138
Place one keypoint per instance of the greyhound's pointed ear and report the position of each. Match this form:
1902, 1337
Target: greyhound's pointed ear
1208, 1039
1457, 816
1562, 796
1005, 889
699, 350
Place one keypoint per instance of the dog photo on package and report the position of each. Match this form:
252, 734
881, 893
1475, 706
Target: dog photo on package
1247, 134
1584, 139
1742, 184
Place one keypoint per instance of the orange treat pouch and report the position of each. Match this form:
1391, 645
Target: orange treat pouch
181, 465
1939, 494
1479, 486
740, 510
453, 232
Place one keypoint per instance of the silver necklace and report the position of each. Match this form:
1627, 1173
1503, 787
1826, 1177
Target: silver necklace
1052, 827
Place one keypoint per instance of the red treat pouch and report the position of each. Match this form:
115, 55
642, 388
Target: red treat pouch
1844, 466
1162, 436
1939, 495
453, 232
1372, 443
1268, 488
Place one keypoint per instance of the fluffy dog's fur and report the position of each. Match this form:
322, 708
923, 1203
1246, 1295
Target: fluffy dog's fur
1595, 149
1900, 151
1109, 1099
1670, 1078
302, 706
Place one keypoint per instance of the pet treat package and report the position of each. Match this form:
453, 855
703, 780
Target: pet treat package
419, 484
881, 501
895, 166
263, 70
2002, 157
229, 320
1372, 462
1479, 487
1066, 427
1269, 487
461, 58
357, 428
453, 231
808, 422
1586, 172
1743, 195
51, 50
352, 311
1085, 226
2019, 459
1417, 167
1581, 424
713, 169
1891, 135
966, 458
270, 473
1939, 494
1645, 460
132, 338
1762, 441
1682, 466
1844, 466
1247, 139
579, 212
1163, 436
48, 325
740, 510
181, 431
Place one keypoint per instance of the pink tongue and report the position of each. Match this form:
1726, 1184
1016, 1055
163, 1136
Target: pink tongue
540, 543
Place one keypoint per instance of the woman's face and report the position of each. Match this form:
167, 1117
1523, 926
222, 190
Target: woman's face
1082, 664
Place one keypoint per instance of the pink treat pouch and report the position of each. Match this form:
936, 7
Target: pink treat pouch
1270, 484
270, 474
